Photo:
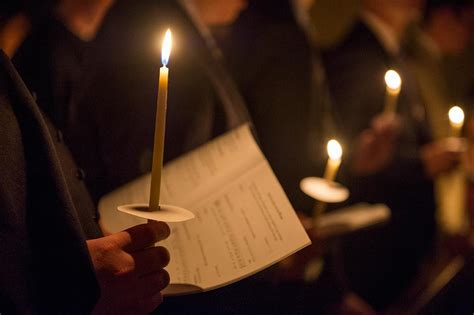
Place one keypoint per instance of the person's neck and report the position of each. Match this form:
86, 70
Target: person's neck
83, 19
431, 42
193, 13
386, 35
13, 32
394, 19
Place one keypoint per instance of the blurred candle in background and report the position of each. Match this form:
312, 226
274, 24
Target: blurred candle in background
394, 85
456, 120
334, 161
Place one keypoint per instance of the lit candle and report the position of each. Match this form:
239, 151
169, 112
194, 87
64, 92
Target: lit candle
456, 120
335, 154
160, 122
394, 84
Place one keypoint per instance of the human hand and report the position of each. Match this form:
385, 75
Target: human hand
375, 146
293, 268
130, 269
353, 304
388, 125
460, 244
441, 155
467, 160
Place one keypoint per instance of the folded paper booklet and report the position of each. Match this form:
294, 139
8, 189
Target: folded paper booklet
352, 218
244, 222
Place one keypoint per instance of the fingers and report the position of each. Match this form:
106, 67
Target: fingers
368, 138
152, 303
151, 286
150, 260
387, 125
129, 270
142, 236
108, 258
154, 282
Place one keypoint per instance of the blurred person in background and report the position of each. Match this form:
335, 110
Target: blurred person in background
381, 263
281, 76
445, 32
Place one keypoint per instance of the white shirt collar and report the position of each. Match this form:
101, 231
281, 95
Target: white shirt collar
382, 31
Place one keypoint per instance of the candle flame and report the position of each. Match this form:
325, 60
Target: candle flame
166, 48
393, 80
334, 150
456, 115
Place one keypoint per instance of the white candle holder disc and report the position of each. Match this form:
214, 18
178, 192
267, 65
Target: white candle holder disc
323, 190
166, 213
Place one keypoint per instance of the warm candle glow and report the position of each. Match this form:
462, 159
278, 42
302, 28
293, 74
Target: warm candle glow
334, 150
166, 48
456, 115
394, 85
393, 80
456, 119
335, 154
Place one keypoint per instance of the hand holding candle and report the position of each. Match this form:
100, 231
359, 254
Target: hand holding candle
325, 190
160, 123
456, 120
334, 161
394, 84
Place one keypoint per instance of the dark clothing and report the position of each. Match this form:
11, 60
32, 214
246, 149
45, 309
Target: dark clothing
105, 92
381, 262
273, 64
110, 122
45, 263
282, 81
53, 63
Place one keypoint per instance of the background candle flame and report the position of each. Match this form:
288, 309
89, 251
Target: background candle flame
456, 115
166, 48
334, 150
393, 80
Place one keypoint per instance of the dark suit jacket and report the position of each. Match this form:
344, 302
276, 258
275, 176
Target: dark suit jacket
272, 62
45, 264
281, 80
390, 255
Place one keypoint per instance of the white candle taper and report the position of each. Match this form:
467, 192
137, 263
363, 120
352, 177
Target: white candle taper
334, 161
335, 154
456, 120
160, 123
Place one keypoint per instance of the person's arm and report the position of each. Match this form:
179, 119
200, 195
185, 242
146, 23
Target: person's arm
130, 269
